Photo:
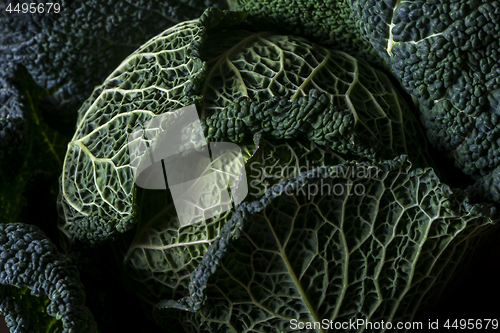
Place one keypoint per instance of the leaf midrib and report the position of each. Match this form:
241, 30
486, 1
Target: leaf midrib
294, 277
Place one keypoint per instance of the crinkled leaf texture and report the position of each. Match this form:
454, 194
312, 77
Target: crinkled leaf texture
73, 49
40, 289
444, 53
290, 255
292, 88
259, 81
275, 160
159, 254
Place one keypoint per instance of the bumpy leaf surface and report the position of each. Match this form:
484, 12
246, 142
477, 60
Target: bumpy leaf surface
378, 249
445, 53
274, 161
342, 24
241, 77
31, 263
274, 80
161, 254
73, 47
97, 180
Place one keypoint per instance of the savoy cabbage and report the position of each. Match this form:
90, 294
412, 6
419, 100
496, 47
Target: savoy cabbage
348, 217
331, 99
444, 53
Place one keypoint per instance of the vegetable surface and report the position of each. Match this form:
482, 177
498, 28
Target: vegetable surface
30, 261
251, 82
444, 53
349, 214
